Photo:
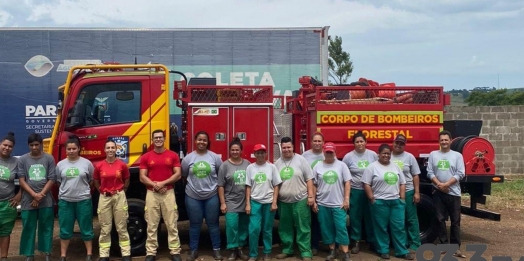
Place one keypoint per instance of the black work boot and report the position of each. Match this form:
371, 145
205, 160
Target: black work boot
175, 257
233, 255
332, 255
192, 255
356, 248
217, 255
241, 255
150, 258
124, 258
107, 259
347, 257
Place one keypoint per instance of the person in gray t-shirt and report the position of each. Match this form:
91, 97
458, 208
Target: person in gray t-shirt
409, 166
200, 168
295, 197
445, 170
357, 161
385, 187
75, 176
232, 194
8, 199
333, 184
314, 156
36, 173
262, 188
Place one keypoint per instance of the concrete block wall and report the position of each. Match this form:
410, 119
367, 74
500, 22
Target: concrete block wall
503, 126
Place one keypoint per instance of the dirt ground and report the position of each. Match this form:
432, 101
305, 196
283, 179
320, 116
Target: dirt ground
503, 238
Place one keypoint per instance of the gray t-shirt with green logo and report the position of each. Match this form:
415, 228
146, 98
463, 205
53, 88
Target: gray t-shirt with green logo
202, 174
330, 180
36, 173
233, 178
262, 179
409, 166
313, 158
74, 178
294, 174
385, 181
445, 165
8, 169
357, 163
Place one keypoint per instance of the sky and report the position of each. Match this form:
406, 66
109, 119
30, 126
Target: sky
458, 44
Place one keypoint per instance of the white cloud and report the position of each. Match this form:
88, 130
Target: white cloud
4, 18
386, 38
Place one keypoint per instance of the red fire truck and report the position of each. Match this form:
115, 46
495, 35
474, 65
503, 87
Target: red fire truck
127, 102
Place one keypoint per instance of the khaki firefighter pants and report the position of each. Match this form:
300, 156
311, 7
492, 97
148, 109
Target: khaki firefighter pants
157, 206
109, 207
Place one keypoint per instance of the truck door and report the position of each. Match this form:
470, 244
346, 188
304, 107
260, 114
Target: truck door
252, 125
215, 121
112, 109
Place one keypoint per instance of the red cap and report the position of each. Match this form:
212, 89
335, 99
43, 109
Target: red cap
329, 147
259, 147
400, 138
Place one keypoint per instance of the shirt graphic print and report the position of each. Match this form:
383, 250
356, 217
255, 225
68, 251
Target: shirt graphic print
37, 172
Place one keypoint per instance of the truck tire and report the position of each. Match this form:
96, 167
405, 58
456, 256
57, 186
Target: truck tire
427, 219
136, 227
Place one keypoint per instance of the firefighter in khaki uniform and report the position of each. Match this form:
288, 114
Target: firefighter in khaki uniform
111, 178
159, 169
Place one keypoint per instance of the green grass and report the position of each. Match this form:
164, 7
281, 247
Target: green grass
506, 195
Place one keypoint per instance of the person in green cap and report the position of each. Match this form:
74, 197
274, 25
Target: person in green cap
409, 166
385, 188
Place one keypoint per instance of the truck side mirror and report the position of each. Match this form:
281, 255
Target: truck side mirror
76, 116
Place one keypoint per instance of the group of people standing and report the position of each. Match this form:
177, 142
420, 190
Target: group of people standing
312, 193
37, 174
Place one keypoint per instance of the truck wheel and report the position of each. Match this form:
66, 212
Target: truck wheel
427, 219
136, 227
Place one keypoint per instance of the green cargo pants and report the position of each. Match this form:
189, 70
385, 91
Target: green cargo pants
236, 229
333, 225
44, 218
412, 227
295, 216
358, 211
389, 214
261, 220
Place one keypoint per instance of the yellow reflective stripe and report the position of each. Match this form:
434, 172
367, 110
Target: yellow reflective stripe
105, 245
125, 208
175, 245
125, 243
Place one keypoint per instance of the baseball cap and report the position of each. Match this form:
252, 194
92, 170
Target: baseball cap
259, 147
400, 138
329, 147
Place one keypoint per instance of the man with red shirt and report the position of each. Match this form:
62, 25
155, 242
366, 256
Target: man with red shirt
111, 178
159, 170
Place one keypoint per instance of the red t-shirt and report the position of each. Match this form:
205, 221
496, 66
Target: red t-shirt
111, 175
160, 165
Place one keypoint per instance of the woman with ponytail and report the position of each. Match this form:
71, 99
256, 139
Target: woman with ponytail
75, 177
232, 194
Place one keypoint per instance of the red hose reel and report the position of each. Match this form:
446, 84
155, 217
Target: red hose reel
478, 153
